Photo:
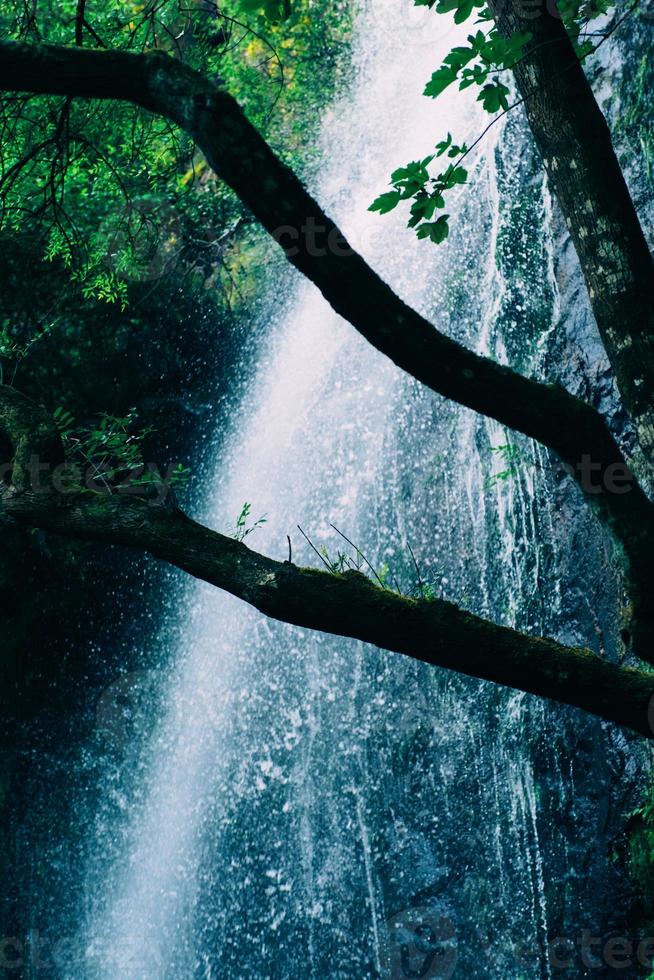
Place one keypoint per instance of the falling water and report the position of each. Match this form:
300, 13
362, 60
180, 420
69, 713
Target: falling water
293, 792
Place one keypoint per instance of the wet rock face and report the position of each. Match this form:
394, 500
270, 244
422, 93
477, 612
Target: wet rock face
567, 782
368, 795
610, 774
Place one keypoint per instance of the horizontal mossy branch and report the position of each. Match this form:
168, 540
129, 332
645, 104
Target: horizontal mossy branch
434, 631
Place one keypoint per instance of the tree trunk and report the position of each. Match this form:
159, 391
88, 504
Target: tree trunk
574, 140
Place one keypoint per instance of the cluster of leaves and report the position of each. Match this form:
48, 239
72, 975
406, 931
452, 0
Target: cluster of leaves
341, 563
640, 856
243, 526
479, 62
576, 15
475, 63
414, 183
273, 70
109, 456
425, 590
511, 459
80, 176
62, 181
270, 10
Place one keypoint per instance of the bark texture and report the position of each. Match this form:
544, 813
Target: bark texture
434, 631
574, 140
241, 157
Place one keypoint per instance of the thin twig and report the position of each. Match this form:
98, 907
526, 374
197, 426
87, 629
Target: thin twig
312, 545
420, 581
360, 553
79, 23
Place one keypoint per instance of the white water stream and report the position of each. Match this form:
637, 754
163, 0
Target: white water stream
255, 844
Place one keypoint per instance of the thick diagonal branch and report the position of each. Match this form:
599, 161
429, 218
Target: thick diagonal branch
277, 198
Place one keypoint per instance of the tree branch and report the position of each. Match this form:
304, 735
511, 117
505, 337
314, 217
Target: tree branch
31, 438
348, 604
242, 158
80, 22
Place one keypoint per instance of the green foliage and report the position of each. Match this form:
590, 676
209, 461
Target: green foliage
342, 563
109, 456
633, 116
115, 195
243, 527
427, 193
512, 460
141, 255
479, 62
105, 286
472, 64
271, 10
640, 856
386, 202
65, 422
576, 15
493, 96
427, 591
461, 8
9, 348
112, 446
437, 231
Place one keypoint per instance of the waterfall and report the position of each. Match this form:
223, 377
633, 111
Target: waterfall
294, 794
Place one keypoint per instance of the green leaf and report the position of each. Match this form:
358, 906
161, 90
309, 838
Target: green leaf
414, 173
400, 174
410, 188
473, 76
494, 97
444, 145
459, 56
385, 202
463, 12
477, 40
439, 81
453, 175
436, 231
424, 206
